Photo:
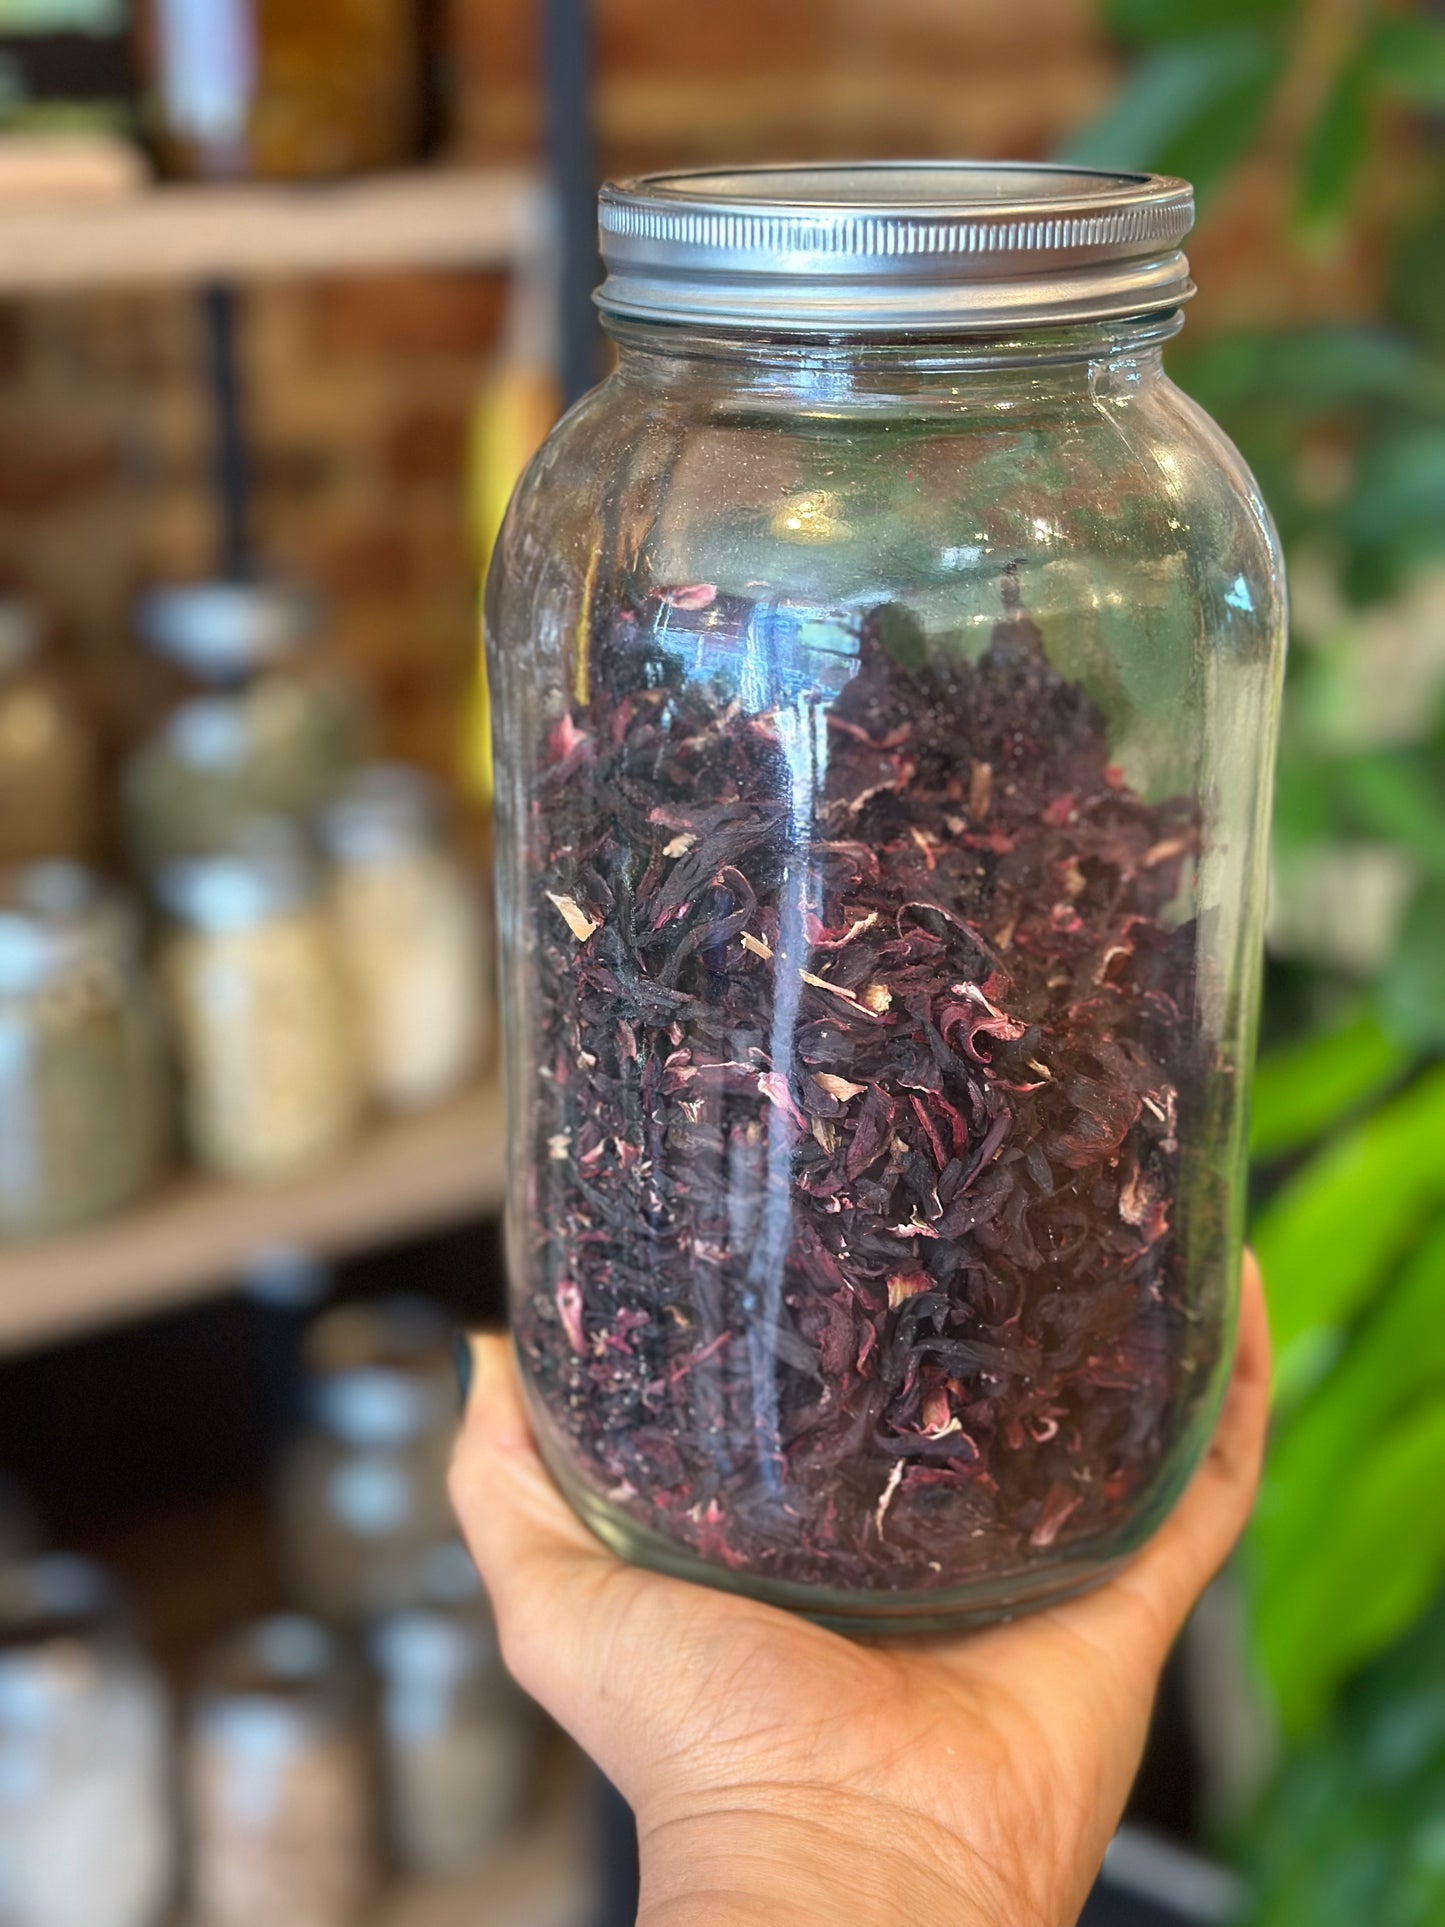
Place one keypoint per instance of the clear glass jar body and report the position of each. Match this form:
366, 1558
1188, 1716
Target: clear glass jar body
83, 1083
458, 1736
239, 716
278, 1782
361, 1501
47, 753
263, 1025
86, 1831
275, 91
884, 739
408, 919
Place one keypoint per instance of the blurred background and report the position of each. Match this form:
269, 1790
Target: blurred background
289, 291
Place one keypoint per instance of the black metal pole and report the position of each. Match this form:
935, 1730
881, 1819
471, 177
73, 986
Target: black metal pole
233, 475
567, 75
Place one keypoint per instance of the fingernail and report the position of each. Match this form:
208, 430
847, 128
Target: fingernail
462, 1353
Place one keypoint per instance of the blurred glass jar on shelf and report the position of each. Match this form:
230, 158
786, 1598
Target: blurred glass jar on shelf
19, 1531
362, 1495
410, 926
86, 1833
82, 1076
278, 1789
47, 755
247, 718
273, 90
259, 1008
459, 1736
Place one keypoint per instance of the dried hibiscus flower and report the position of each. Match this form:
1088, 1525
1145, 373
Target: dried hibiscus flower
864, 1013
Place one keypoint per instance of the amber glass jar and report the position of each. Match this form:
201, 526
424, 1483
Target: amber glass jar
273, 89
885, 661
47, 753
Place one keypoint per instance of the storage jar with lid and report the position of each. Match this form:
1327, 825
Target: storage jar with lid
272, 90
278, 1784
86, 1833
408, 918
458, 1735
47, 754
82, 1072
886, 661
259, 1007
362, 1494
248, 718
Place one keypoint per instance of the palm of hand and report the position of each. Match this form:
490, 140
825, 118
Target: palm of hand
974, 1778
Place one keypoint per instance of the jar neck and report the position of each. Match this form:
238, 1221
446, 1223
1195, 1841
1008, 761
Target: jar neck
1123, 353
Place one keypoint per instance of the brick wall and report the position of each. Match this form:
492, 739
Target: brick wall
358, 390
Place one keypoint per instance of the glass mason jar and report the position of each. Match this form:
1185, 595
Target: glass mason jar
47, 754
248, 718
86, 1832
886, 663
362, 1496
278, 91
279, 1783
265, 1033
408, 918
83, 1086
458, 1736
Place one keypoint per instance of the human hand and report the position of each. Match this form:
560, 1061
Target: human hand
780, 1772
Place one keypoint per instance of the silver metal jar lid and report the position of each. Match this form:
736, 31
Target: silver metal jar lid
221, 631
383, 811
892, 247
266, 872
57, 918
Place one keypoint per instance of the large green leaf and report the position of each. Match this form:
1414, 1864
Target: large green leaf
1407, 52
1330, 1237
1397, 794
1320, 370
1395, 518
1335, 150
1401, 478
1412, 990
1396, 1358
1142, 22
1350, 1832
1305, 1089
1374, 1567
1417, 280
1190, 107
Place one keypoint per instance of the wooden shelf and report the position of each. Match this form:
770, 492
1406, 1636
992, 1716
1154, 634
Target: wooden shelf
199, 1236
439, 217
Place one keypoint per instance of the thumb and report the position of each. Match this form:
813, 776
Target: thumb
587, 1636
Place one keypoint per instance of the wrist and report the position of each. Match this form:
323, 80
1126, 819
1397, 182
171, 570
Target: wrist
817, 1858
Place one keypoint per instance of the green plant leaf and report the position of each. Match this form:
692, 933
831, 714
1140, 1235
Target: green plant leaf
1334, 153
1371, 1573
1305, 1089
1397, 794
1400, 480
1395, 518
1318, 370
1350, 1831
1407, 52
1412, 990
1417, 279
1329, 1238
1395, 1359
1142, 22
1191, 107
